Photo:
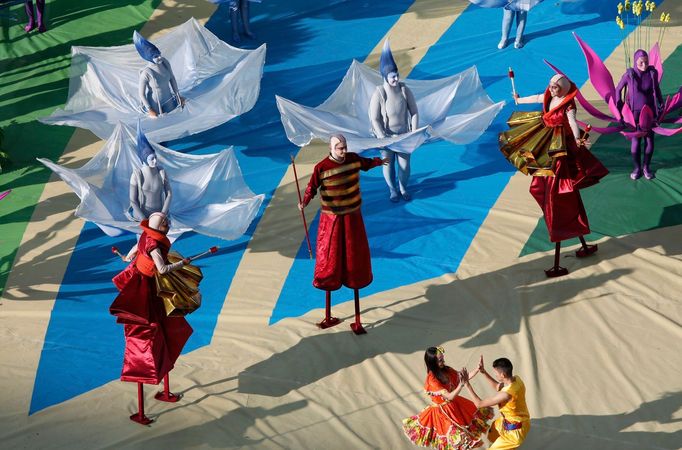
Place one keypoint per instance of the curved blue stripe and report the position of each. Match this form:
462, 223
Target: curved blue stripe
454, 187
309, 50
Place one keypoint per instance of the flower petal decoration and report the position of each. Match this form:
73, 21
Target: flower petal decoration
218, 82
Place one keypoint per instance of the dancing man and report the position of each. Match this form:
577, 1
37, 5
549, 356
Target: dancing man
509, 431
342, 255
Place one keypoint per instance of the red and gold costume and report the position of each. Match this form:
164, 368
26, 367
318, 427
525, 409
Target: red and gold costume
153, 340
342, 255
447, 424
543, 145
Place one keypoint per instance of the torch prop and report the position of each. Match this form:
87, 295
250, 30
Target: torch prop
300, 201
511, 77
115, 251
207, 252
586, 133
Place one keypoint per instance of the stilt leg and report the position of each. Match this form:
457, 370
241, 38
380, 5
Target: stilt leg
328, 321
586, 250
166, 395
556, 270
139, 416
357, 325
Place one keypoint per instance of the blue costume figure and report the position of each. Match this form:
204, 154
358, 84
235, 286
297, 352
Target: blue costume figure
513, 9
393, 111
158, 90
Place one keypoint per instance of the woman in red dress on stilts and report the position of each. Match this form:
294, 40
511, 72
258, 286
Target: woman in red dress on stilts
153, 340
548, 145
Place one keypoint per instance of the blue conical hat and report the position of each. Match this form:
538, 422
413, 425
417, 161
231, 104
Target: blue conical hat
386, 62
146, 49
144, 148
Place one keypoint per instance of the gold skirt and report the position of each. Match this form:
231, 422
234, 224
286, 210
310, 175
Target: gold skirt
179, 289
531, 146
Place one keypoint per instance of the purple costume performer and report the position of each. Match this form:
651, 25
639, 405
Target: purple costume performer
641, 112
40, 8
640, 83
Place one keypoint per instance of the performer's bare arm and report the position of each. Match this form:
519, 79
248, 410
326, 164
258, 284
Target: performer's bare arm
168, 194
134, 200
497, 399
570, 114
376, 117
412, 108
539, 98
131, 254
455, 392
493, 383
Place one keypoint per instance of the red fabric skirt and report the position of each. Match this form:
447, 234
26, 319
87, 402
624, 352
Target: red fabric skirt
153, 340
559, 196
342, 255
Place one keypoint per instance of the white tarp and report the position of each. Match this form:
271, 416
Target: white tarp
219, 82
209, 192
455, 108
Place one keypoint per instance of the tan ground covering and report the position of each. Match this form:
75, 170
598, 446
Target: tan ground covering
598, 349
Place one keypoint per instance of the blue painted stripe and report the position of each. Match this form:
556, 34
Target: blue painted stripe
454, 187
308, 53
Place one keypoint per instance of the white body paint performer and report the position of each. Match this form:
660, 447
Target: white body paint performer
150, 189
393, 111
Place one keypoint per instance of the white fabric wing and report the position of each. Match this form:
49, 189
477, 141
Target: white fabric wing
219, 82
209, 192
455, 108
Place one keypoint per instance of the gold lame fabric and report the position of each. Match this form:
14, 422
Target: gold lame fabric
530, 145
179, 289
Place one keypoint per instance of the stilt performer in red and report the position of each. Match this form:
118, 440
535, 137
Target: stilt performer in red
549, 146
342, 254
153, 339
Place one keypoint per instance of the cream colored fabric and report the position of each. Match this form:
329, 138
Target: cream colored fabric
597, 349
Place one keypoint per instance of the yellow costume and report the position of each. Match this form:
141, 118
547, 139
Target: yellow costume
509, 431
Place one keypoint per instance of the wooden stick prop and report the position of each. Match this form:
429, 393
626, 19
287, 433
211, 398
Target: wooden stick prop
207, 252
586, 133
300, 200
115, 251
511, 77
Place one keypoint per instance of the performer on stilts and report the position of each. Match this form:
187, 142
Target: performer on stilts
549, 146
153, 339
342, 254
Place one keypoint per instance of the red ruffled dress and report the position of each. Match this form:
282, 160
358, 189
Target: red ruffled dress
153, 341
447, 425
542, 144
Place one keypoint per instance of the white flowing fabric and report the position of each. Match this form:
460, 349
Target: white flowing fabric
209, 192
455, 108
513, 5
219, 82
